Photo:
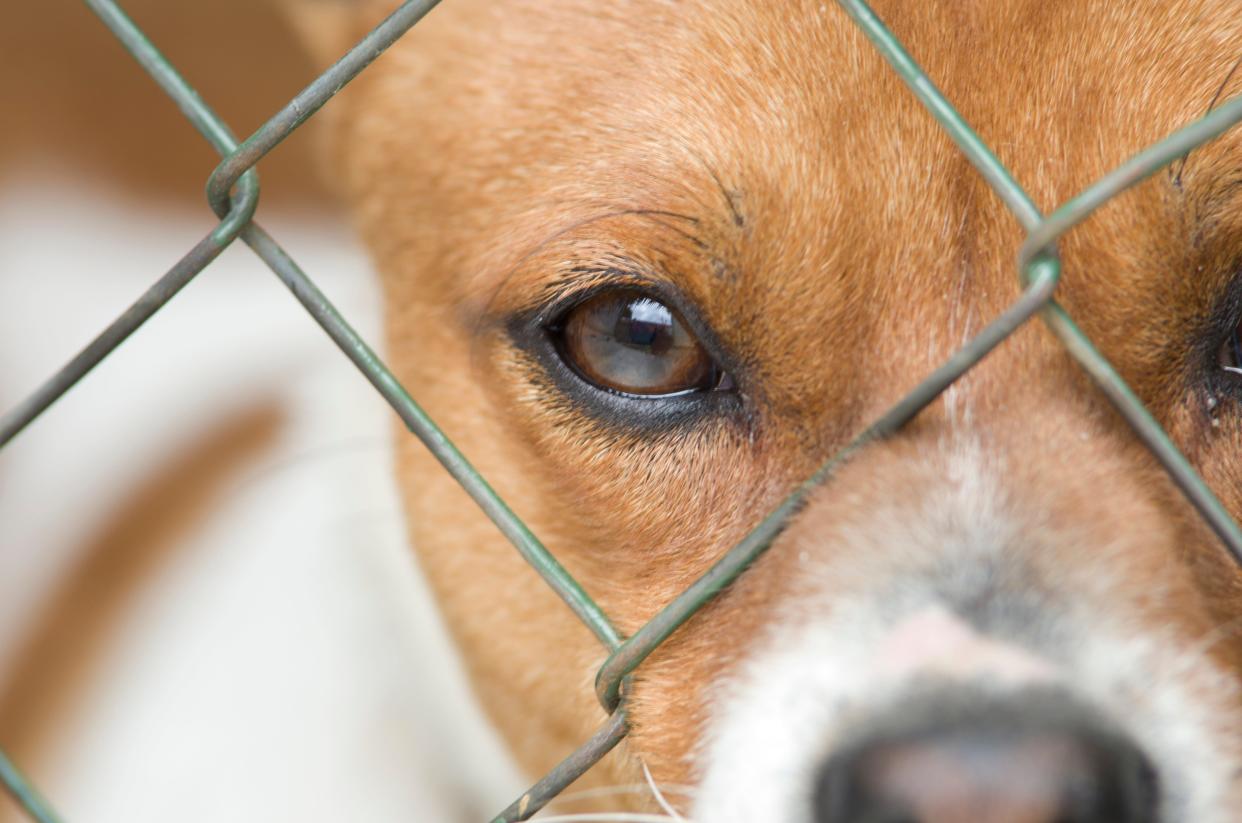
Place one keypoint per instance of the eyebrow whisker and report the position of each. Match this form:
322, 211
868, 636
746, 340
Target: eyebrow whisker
692, 238
1177, 178
730, 197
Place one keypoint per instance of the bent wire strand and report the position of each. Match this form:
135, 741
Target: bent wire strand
1139, 168
271, 133
567, 771
233, 217
312, 98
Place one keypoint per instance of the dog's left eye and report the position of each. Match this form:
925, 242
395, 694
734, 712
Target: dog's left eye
1229, 358
629, 342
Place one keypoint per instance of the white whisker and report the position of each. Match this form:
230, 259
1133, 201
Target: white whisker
659, 796
613, 791
604, 817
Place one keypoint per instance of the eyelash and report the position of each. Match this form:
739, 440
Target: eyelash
586, 284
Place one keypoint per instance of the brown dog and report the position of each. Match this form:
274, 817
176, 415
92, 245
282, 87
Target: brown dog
650, 263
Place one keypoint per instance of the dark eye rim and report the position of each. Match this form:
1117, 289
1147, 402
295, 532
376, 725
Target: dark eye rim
531, 332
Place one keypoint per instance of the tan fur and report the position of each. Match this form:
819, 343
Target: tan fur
842, 248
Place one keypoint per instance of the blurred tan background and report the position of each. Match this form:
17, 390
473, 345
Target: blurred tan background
207, 608
73, 98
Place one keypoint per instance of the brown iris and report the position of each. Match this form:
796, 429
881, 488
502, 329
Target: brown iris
629, 342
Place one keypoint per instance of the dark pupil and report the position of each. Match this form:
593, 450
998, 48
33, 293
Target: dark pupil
645, 324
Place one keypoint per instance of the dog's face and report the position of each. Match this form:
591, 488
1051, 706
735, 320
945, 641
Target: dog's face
651, 263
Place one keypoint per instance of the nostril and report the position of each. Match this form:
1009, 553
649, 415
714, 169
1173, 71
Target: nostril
1002, 768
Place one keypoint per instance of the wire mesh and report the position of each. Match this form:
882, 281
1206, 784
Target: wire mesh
233, 193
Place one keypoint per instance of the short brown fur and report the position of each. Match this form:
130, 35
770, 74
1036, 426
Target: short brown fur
763, 159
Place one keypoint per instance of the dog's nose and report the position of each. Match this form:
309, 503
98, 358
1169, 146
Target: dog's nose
988, 772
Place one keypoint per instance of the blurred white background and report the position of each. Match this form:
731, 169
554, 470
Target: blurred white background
207, 607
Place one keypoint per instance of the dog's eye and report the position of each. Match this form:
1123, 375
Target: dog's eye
1229, 358
629, 342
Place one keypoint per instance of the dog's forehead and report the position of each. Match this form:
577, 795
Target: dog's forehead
819, 185
786, 104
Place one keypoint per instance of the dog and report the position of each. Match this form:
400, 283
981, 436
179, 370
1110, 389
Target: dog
650, 264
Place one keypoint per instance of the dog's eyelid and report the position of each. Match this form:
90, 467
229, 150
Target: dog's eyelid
584, 282
658, 288
561, 296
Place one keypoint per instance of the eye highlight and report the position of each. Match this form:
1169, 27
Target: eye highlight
629, 342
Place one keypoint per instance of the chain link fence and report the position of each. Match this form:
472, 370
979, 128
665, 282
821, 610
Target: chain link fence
233, 192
